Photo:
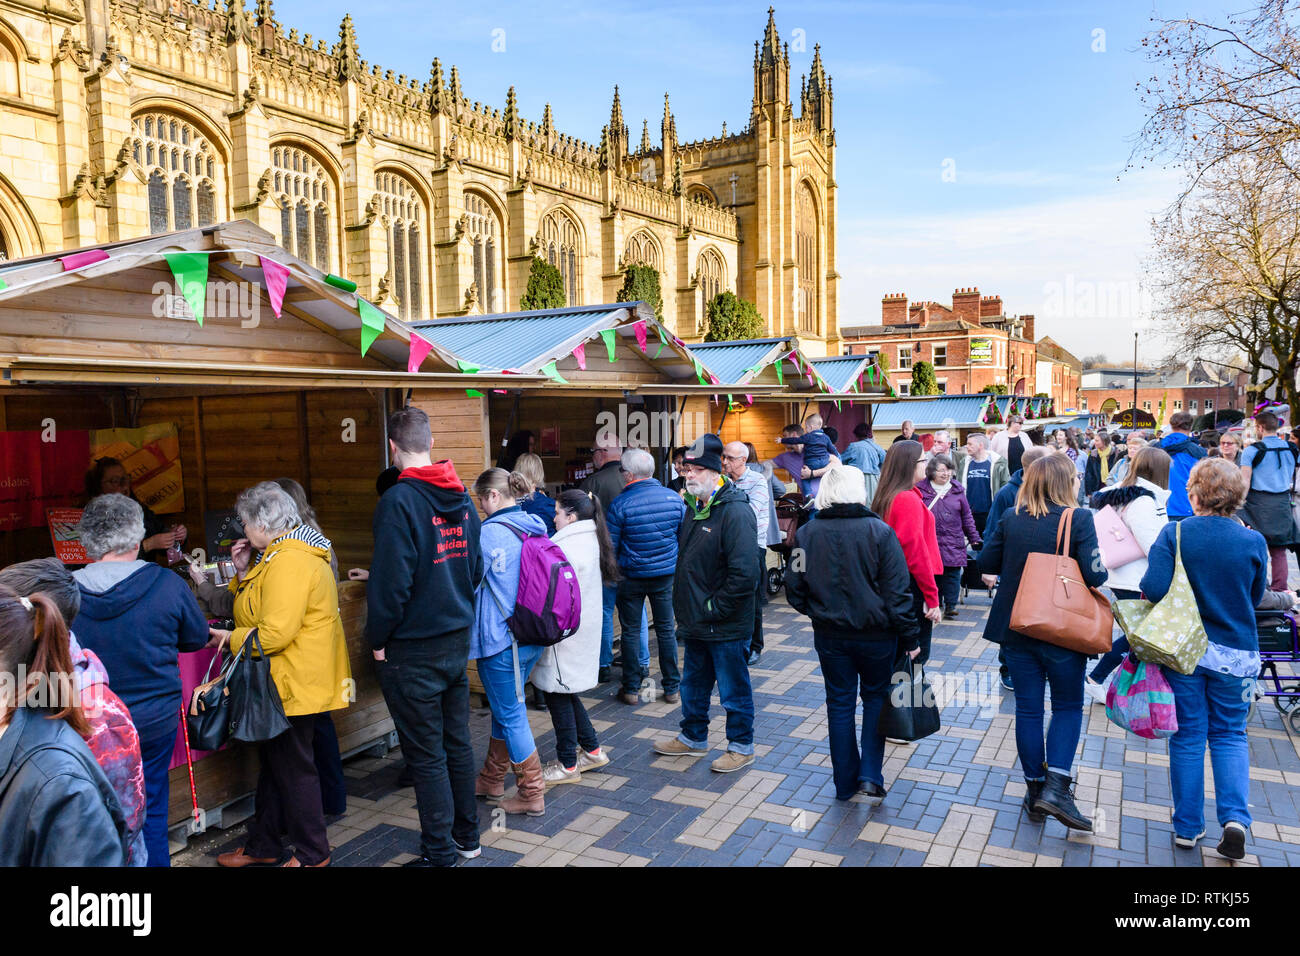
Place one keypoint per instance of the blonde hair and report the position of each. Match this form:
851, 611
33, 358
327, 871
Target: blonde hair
812, 422
1048, 481
841, 485
508, 484
1219, 486
530, 466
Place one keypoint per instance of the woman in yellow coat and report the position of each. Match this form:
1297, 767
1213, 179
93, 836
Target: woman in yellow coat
289, 596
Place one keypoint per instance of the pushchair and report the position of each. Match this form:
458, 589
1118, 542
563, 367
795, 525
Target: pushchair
791, 515
1279, 644
971, 579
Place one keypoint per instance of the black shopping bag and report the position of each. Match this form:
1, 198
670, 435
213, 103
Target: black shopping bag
910, 711
256, 712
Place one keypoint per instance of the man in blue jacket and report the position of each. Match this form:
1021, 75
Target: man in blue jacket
1185, 451
643, 522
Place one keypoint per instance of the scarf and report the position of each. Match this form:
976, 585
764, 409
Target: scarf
701, 513
1105, 465
940, 491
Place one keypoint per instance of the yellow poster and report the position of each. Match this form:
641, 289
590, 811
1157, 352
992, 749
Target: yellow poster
151, 456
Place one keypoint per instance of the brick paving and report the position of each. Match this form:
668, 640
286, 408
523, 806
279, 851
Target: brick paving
953, 798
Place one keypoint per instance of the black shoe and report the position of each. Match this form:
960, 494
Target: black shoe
1033, 790
421, 862
873, 791
950, 614
1006, 681
1233, 842
603, 676
1057, 800
754, 657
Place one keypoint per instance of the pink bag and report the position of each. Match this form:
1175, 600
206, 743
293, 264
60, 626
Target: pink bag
1116, 541
1141, 701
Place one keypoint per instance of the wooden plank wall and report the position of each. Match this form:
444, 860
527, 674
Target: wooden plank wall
459, 428
759, 423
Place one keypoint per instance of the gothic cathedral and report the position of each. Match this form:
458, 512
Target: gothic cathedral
121, 118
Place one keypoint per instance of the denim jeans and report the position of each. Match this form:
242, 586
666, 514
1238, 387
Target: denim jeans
632, 596
509, 713
609, 595
1211, 707
924, 625
851, 669
1034, 665
427, 692
572, 727
949, 585
1111, 659
724, 663
155, 755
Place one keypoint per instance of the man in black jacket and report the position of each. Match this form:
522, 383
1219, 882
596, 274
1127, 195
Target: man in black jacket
420, 609
713, 601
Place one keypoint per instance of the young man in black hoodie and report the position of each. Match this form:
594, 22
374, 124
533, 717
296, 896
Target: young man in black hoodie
420, 609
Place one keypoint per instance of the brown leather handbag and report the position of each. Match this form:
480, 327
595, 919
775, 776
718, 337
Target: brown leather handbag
1054, 605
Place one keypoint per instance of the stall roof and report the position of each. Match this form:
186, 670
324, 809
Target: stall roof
841, 371
953, 411
749, 366
76, 314
735, 363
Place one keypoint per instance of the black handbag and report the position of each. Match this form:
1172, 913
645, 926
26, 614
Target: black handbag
910, 711
256, 712
208, 718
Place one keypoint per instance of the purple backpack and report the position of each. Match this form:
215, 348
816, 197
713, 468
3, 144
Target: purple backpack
549, 605
1140, 700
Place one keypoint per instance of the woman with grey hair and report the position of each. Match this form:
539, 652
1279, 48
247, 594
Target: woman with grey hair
137, 617
289, 596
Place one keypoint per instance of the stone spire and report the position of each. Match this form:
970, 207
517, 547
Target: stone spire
616, 114
265, 12
454, 91
645, 137
345, 51
815, 100
771, 70
617, 131
510, 122
548, 121
602, 151
237, 27
771, 41
437, 92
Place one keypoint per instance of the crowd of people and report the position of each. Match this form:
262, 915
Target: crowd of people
889, 538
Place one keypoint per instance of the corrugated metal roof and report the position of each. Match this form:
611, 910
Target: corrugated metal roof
730, 360
514, 339
839, 371
941, 411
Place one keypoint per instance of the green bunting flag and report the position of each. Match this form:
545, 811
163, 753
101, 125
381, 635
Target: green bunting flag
609, 335
780, 379
3, 285
663, 341
372, 324
549, 371
466, 368
347, 285
473, 393
699, 372
191, 272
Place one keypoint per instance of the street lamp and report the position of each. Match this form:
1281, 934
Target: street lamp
1135, 378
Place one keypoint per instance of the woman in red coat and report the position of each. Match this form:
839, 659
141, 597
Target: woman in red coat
899, 503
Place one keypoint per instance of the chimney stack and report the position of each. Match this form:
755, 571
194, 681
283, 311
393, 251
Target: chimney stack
990, 305
893, 309
966, 304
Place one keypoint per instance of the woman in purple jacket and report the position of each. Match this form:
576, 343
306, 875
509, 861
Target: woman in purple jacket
954, 525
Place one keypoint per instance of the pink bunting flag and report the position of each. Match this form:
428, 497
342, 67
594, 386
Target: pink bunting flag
419, 349
749, 399
79, 259
277, 278
499, 391
580, 353
640, 329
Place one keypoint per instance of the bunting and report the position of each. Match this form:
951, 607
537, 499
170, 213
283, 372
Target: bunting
191, 272
609, 335
640, 329
419, 349
466, 368
372, 324
78, 259
276, 277
580, 353
663, 342
474, 393
549, 371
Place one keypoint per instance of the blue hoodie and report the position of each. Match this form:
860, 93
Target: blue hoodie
137, 617
501, 549
1185, 451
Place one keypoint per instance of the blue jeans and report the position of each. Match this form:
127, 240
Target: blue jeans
609, 595
849, 669
155, 755
1035, 665
1111, 659
632, 596
724, 663
509, 714
1211, 707
949, 586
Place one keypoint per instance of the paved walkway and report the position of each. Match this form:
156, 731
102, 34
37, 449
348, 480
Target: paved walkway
953, 798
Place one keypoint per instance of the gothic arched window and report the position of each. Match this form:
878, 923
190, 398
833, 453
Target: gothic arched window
485, 237
711, 277
642, 251
404, 212
806, 255
304, 191
560, 245
183, 169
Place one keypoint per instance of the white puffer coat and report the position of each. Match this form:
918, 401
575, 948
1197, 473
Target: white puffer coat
573, 665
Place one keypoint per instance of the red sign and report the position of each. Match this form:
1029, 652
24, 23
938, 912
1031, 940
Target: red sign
40, 470
65, 536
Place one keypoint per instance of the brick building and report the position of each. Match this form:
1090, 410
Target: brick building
1194, 387
973, 344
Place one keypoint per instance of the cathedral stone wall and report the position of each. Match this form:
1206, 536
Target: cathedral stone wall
121, 118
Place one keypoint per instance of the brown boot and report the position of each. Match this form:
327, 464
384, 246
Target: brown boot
491, 781
530, 788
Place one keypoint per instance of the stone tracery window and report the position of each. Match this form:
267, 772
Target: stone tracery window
642, 251
484, 235
304, 191
560, 245
711, 279
806, 249
184, 172
403, 211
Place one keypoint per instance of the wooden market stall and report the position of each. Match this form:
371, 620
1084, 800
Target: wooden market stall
272, 383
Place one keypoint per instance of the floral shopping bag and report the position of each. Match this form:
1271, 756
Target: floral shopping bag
1169, 633
1140, 700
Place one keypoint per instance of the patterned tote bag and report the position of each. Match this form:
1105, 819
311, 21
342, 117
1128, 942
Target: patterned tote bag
1169, 633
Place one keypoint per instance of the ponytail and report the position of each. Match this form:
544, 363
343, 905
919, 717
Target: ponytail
508, 484
34, 637
585, 506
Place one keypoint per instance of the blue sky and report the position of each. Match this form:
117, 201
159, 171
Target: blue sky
1030, 111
